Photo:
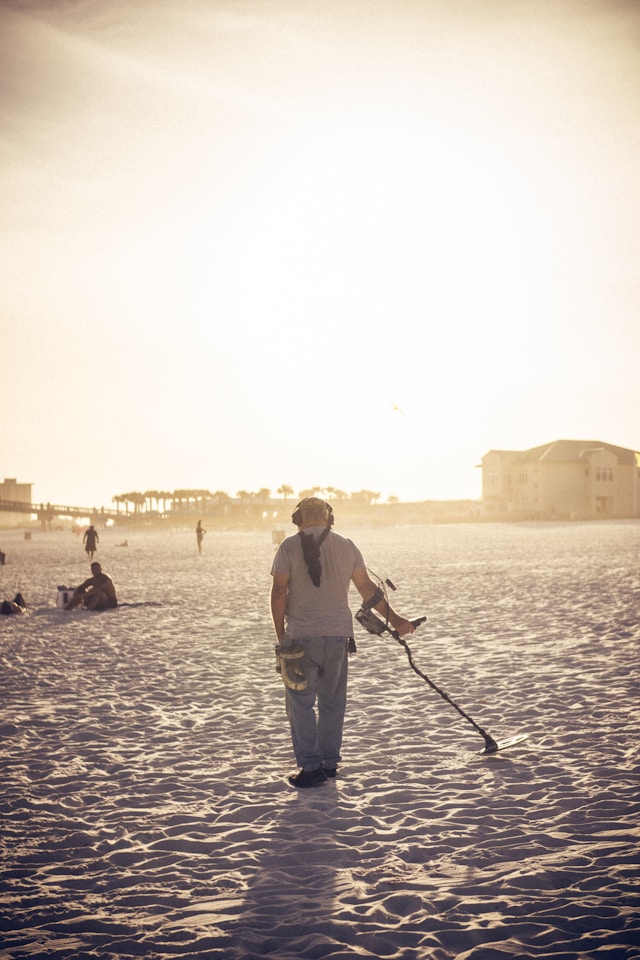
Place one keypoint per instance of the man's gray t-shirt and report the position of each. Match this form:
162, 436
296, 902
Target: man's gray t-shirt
318, 611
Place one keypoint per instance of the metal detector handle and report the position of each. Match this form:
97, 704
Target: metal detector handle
396, 635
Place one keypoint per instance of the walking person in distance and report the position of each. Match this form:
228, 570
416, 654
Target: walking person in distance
91, 540
200, 532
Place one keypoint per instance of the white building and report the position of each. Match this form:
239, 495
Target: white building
565, 479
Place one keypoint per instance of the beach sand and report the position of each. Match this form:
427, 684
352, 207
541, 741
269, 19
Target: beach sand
145, 810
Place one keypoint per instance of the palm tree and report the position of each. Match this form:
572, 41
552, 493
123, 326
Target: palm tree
151, 496
137, 499
181, 495
365, 496
312, 492
285, 491
203, 496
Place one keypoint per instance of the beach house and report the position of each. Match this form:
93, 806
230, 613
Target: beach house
565, 479
13, 492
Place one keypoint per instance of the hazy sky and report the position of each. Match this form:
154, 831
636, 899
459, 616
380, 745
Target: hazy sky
314, 242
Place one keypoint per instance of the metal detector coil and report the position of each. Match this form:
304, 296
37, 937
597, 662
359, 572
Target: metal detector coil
373, 624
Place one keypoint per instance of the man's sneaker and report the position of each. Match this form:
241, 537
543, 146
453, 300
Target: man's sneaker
330, 772
308, 778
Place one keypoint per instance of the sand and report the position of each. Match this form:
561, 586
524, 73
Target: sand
145, 810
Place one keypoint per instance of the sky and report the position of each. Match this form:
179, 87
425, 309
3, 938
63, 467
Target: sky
256, 243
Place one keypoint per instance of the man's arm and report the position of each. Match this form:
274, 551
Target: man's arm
367, 590
278, 602
108, 586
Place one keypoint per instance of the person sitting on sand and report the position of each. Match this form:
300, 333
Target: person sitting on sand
17, 605
96, 593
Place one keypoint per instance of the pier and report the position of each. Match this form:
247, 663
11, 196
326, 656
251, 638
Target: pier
47, 512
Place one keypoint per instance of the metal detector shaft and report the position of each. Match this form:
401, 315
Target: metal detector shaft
490, 744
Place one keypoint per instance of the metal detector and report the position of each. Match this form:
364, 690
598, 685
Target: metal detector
373, 624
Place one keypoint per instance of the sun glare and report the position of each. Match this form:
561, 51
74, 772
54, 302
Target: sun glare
365, 232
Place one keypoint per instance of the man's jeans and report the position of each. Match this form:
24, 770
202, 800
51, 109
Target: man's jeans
316, 741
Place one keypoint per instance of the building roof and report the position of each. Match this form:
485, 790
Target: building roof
568, 451
504, 453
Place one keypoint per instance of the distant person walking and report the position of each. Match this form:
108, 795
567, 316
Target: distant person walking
91, 540
3, 557
200, 532
96, 593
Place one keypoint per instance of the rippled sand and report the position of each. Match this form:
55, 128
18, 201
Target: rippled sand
145, 810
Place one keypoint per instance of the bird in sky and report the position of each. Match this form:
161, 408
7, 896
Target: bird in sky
396, 408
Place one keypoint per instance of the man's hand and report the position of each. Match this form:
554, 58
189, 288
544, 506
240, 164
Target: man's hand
402, 626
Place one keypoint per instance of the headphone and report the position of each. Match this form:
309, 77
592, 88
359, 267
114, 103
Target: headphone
296, 516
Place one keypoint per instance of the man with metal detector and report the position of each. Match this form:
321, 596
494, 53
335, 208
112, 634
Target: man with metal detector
312, 571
